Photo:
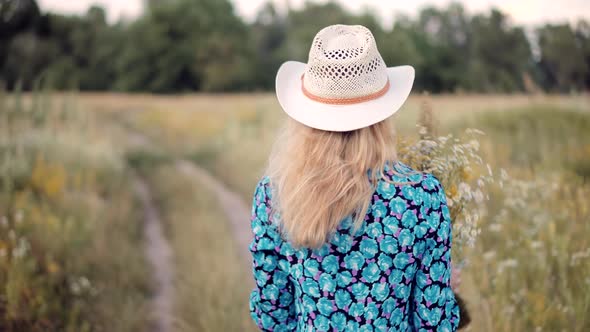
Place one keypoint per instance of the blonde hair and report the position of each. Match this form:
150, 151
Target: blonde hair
320, 177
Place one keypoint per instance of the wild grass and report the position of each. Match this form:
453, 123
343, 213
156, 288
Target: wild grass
210, 287
533, 252
537, 138
532, 260
529, 253
70, 241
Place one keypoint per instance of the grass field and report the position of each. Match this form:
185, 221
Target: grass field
528, 270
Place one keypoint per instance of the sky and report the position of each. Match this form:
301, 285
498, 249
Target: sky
526, 12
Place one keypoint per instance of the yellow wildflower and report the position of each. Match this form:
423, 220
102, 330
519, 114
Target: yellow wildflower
466, 174
49, 179
452, 192
52, 267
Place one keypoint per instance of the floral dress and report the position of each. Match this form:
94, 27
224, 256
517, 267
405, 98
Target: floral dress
393, 274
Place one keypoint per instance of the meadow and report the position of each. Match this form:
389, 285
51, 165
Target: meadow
523, 235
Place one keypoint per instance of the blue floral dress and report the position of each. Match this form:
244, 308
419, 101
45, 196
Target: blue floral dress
393, 274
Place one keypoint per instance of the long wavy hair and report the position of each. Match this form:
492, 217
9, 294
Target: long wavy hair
320, 177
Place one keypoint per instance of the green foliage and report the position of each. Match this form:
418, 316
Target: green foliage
565, 61
202, 45
184, 46
500, 55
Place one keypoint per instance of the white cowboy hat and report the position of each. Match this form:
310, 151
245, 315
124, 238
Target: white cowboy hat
345, 84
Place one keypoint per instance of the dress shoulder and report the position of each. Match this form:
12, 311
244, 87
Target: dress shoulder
400, 172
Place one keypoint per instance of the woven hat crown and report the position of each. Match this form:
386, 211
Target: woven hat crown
344, 63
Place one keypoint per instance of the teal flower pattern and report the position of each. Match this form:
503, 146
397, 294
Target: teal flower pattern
379, 209
354, 261
327, 283
338, 321
343, 298
369, 248
393, 274
386, 190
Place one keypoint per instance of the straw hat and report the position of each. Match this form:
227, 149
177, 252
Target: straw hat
345, 84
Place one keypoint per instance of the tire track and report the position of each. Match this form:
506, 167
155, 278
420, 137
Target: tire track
158, 251
159, 256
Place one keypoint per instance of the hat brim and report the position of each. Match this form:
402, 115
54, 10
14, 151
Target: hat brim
340, 117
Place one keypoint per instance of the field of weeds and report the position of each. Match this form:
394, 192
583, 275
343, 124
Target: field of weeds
70, 239
515, 168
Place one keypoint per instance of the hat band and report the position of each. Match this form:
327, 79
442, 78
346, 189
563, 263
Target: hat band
344, 101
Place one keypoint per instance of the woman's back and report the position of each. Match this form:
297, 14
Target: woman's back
392, 274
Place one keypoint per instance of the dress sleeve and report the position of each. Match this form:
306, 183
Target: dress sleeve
271, 301
434, 307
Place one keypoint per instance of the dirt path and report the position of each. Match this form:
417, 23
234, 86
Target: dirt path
236, 211
158, 250
159, 255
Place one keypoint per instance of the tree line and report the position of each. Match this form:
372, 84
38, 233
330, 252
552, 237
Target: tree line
202, 45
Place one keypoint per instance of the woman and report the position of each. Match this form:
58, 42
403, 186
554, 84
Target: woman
346, 237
